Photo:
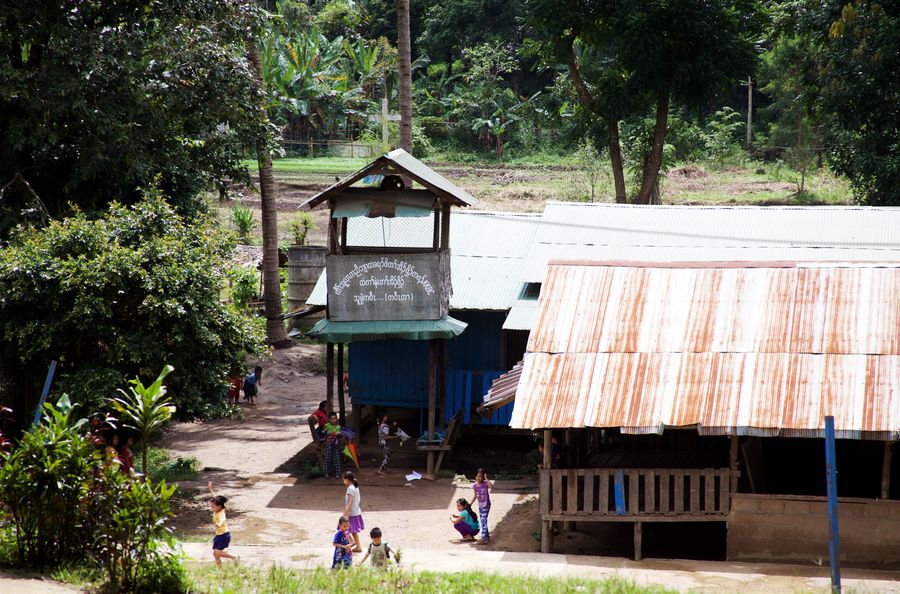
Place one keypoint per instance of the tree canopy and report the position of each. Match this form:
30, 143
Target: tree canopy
97, 98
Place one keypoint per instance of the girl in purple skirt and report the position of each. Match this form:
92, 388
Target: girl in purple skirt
352, 509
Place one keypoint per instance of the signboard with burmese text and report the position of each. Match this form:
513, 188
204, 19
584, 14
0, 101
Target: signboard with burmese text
377, 287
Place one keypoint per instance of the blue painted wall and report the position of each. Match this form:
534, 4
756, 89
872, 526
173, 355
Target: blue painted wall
393, 373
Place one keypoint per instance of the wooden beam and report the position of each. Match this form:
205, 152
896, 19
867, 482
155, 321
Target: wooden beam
332, 234
432, 397
343, 235
886, 470
436, 234
445, 226
548, 450
339, 376
733, 462
637, 541
329, 375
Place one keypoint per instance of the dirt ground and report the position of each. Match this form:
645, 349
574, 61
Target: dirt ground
261, 463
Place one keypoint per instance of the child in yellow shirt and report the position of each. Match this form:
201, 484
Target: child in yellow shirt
223, 537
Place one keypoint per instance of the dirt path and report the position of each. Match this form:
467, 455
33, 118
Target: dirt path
276, 514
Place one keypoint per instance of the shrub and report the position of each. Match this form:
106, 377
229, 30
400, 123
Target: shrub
119, 296
43, 482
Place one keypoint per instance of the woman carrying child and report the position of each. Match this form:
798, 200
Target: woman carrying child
482, 487
352, 510
465, 522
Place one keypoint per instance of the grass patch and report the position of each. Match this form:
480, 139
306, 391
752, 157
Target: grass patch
235, 578
162, 467
336, 165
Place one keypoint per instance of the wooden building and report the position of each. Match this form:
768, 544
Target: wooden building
697, 392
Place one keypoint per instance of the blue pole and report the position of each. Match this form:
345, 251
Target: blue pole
833, 538
44, 392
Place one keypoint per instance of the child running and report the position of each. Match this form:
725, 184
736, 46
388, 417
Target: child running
352, 509
465, 522
223, 537
482, 487
384, 434
343, 555
332, 447
379, 551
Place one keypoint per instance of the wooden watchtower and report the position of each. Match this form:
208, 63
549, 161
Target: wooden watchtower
382, 293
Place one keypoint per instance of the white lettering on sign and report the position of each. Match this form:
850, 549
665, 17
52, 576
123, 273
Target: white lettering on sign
405, 271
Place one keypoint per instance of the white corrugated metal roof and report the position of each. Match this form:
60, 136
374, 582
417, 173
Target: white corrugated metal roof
714, 233
522, 315
487, 253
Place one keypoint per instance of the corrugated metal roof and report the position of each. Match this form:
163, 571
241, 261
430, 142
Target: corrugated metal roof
757, 349
714, 233
487, 253
502, 391
521, 316
399, 161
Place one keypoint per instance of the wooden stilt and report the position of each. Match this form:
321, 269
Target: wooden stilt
886, 470
545, 495
733, 463
432, 396
570, 463
637, 541
339, 376
329, 375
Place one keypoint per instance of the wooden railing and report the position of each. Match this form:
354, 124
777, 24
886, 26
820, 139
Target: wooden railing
586, 494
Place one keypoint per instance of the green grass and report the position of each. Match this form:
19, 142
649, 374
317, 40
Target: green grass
236, 578
337, 165
162, 467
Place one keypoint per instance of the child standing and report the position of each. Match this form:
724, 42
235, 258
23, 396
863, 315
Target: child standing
332, 447
384, 434
379, 551
465, 522
343, 556
482, 487
352, 510
223, 537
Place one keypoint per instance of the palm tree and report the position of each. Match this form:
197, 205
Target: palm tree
404, 53
145, 409
271, 281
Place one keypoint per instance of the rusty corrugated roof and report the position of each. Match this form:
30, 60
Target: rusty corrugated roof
744, 348
502, 391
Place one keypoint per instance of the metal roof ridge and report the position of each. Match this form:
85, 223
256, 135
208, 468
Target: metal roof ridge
700, 264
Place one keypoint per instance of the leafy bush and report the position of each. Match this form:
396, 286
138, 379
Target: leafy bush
70, 505
161, 466
43, 483
301, 225
244, 282
119, 296
145, 409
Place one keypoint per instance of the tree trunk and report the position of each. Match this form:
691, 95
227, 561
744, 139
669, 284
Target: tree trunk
654, 160
612, 123
405, 55
271, 281
615, 159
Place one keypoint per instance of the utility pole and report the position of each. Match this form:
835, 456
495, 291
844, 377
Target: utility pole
749, 112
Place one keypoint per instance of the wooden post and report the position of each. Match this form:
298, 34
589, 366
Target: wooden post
329, 375
570, 463
339, 376
886, 470
432, 396
333, 239
445, 226
344, 235
436, 236
733, 463
545, 495
637, 541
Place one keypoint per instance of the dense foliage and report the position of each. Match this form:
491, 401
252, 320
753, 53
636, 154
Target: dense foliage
121, 295
97, 98
68, 504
